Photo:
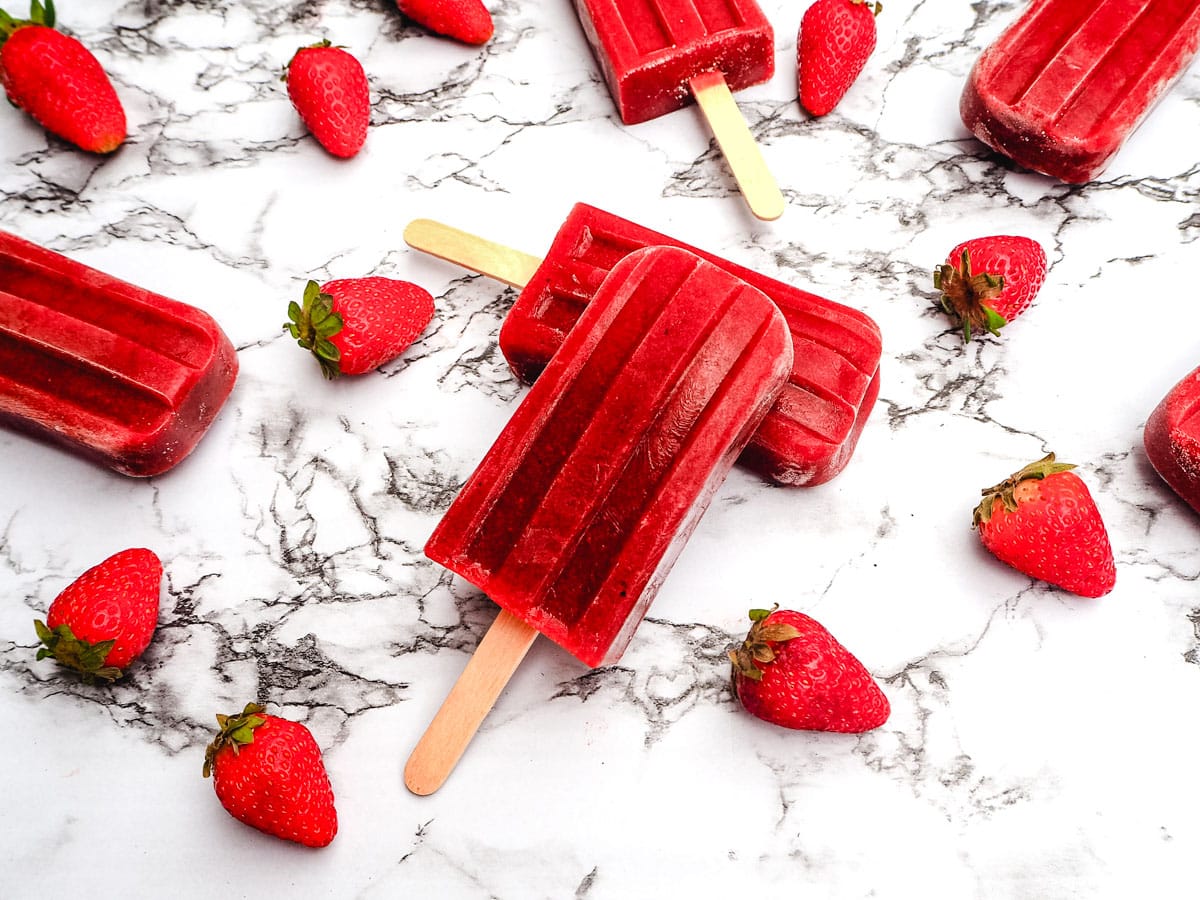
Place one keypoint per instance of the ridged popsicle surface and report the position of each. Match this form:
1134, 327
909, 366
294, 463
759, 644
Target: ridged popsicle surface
578, 510
1067, 83
810, 434
124, 376
650, 49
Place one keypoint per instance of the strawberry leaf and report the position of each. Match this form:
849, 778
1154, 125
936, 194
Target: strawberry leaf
312, 323
234, 732
328, 325
43, 631
243, 735
42, 15
778, 633
67, 650
993, 320
1005, 491
963, 295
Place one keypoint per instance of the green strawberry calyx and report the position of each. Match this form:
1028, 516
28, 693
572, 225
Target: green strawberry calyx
39, 14
757, 650
875, 8
1005, 491
965, 296
234, 732
61, 644
313, 324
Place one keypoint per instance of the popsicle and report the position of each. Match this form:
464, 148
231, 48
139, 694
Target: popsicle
1063, 87
659, 55
577, 512
126, 377
1172, 439
811, 432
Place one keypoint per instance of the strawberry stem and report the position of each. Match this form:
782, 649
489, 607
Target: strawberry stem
757, 650
234, 732
965, 296
38, 15
1005, 491
75, 653
313, 324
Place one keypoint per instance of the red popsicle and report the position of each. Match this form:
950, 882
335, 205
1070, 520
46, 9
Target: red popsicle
1068, 81
577, 512
809, 435
124, 376
659, 55
1172, 439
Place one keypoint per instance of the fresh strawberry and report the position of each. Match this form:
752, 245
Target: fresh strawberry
329, 89
1042, 521
792, 672
58, 81
836, 38
106, 617
987, 282
268, 773
354, 325
464, 20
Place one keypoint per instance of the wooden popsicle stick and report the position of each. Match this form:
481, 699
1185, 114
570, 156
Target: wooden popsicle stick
737, 143
495, 260
468, 703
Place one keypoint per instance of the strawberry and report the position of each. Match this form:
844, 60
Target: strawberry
329, 89
106, 617
58, 81
792, 672
464, 20
1042, 521
987, 282
354, 325
268, 773
836, 38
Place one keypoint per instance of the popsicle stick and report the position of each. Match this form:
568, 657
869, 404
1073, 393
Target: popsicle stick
468, 703
737, 143
495, 260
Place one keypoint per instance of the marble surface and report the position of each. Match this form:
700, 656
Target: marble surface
1039, 745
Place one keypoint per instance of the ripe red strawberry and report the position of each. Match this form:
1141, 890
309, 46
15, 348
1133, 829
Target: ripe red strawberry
329, 89
268, 773
354, 325
464, 20
106, 617
987, 282
58, 81
836, 38
1042, 521
792, 672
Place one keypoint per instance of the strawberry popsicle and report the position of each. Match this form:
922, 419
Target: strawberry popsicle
1172, 439
577, 512
126, 377
1063, 87
810, 433
659, 55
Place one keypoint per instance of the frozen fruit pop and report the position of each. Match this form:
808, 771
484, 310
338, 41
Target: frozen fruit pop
659, 55
577, 512
1068, 81
1172, 439
124, 376
810, 433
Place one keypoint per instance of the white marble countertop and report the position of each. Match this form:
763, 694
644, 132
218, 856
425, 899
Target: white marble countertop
1039, 745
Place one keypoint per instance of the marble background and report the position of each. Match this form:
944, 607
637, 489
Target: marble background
1040, 745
